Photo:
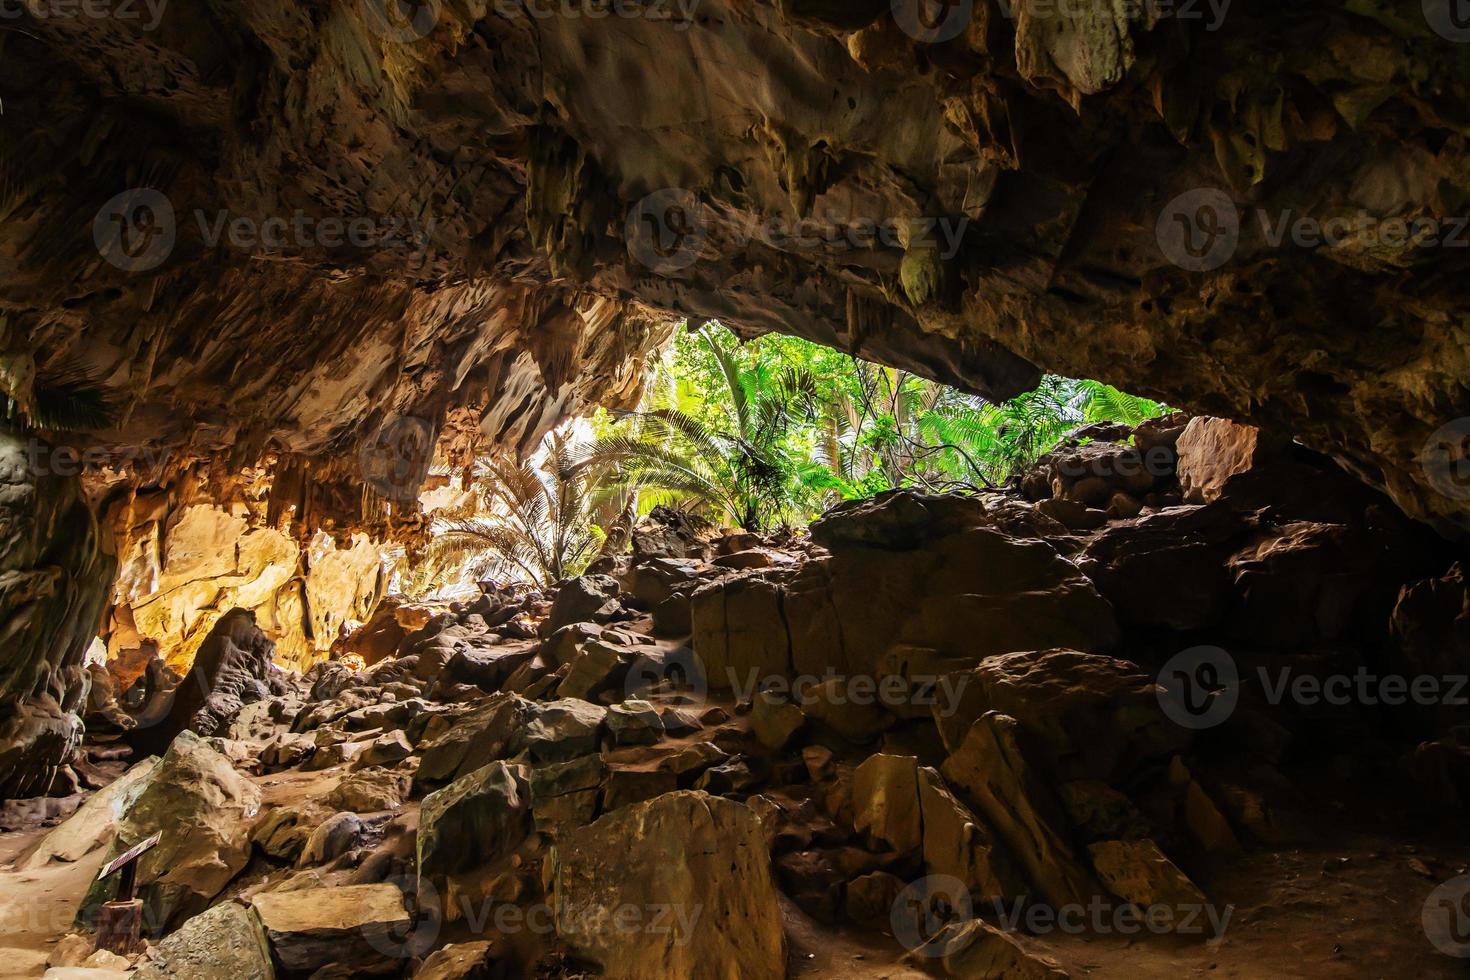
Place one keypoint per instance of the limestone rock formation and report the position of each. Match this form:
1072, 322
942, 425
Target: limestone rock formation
204, 810
908, 584
696, 862
54, 574
1079, 192
352, 926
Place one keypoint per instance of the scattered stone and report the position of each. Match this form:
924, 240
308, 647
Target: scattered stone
634, 723
976, 950
371, 790
474, 821
223, 943
774, 720
1138, 872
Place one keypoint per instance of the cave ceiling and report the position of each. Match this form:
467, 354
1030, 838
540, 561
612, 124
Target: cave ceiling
276, 228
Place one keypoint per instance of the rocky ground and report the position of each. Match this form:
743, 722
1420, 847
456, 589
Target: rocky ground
1136, 719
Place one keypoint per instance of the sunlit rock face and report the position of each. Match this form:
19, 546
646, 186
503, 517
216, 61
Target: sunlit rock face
1092, 189
187, 568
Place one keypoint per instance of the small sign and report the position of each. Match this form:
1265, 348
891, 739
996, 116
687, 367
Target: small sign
130, 855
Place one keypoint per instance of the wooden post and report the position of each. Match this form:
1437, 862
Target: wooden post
120, 922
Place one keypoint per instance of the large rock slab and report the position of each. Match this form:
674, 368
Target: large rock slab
903, 571
204, 810
678, 886
1213, 451
348, 926
996, 773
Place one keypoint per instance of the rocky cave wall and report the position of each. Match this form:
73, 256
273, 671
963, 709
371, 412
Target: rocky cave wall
275, 234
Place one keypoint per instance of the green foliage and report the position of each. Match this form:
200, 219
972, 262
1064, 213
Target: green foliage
541, 522
735, 450
778, 429
771, 431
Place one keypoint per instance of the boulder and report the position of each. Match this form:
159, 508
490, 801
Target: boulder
1430, 629
774, 720
1167, 569
332, 838
387, 749
1093, 716
384, 632
634, 722
347, 926
562, 730
976, 950
958, 845
226, 941
566, 794
371, 790
1000, 778
1213, 451
585, 599
476, 820
462, 961
699, 863
491, 730
885, 801
229, 670
1138, 872
204, 810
